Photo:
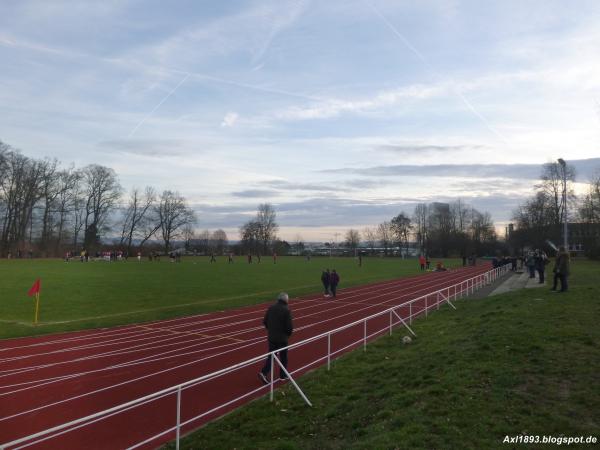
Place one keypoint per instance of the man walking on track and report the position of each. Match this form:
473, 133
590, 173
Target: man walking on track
334, 280
278, 322
325, 280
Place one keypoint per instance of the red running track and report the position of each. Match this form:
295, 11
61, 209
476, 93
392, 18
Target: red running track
47, 381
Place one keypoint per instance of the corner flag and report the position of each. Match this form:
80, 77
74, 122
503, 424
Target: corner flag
35, 290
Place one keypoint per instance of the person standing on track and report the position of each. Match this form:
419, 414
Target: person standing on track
334, 280
278, 322
325, 276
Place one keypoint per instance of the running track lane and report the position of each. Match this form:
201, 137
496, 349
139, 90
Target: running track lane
46, 381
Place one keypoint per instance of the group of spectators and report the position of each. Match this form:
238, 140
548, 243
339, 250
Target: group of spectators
330, 282
537, 260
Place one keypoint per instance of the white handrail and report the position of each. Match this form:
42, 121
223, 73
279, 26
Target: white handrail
179, 387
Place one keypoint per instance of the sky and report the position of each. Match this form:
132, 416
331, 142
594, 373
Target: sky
342, 114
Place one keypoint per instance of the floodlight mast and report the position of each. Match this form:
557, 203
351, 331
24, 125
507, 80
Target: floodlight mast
563, 164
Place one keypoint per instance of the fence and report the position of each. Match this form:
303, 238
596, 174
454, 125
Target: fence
319, 349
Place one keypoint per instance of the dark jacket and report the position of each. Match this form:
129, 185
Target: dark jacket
334, 279
540, 262
278, 321
325, 277
562, 264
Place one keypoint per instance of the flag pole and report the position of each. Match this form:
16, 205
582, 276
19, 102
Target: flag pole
37, 307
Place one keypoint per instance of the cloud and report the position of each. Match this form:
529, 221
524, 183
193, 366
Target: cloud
330, 108
284, 185
418, 149
584, 168
146, 147
230, 119
255, 193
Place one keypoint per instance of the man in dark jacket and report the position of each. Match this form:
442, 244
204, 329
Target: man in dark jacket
334, 280
540, 265
325, 276
562, 269
278, 322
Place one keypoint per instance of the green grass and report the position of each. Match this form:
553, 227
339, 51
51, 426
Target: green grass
526, 362
97, 294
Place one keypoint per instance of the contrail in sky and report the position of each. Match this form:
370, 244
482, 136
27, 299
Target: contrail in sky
158, 106
422, 58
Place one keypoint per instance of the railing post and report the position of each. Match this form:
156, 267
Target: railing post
410, 313
272, 375
390, 322
177, 430
365, 337
438, 301
426, 306
328, 351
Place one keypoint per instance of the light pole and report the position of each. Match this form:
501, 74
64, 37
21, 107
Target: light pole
563, 164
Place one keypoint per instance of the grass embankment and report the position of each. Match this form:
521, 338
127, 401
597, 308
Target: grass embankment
79, 295
526, 362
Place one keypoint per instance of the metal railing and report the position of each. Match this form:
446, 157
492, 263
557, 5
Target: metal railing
386, 321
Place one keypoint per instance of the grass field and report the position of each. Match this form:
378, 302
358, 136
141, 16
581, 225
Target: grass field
79, 295
524, 363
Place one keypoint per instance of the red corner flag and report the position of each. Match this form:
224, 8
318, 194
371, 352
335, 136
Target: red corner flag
35, 289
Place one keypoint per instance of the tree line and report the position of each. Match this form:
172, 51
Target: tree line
541, 216
49, 208
437, 229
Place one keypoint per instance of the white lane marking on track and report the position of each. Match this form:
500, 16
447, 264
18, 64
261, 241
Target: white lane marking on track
355, 292
106, 388
337, 317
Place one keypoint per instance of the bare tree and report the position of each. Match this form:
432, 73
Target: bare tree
188, 236
102, 192
482, 228
204, 242
384, 233
66, 202
139, 218
20, 189
421, 221
370, 237
401, 227
250, 236
219, 240
50, 190
552, 186
352, 239
267, 226
298, 243
173, 214
589, 211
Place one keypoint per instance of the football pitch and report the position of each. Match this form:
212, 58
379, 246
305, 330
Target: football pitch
79, 295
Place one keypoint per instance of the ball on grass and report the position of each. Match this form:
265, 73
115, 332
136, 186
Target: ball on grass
406, 340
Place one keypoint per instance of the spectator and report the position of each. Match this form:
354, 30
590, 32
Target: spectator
422, 262
540, 265
562, 269
334, 280
278, 322
325, 278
